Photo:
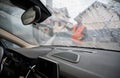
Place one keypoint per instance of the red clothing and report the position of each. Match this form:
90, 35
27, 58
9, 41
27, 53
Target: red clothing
77, 34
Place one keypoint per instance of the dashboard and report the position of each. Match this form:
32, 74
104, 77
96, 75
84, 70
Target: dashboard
77, 62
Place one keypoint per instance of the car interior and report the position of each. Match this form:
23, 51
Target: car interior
22, 59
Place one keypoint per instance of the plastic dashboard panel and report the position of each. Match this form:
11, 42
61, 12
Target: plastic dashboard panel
32, 52
93, 63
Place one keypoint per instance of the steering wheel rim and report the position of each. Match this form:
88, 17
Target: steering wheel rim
1, 56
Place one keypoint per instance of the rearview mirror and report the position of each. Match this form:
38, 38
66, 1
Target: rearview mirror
31, 15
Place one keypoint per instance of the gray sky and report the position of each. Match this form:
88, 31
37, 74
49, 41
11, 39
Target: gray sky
74, 6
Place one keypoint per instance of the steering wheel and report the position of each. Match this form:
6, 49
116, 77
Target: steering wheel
1, 56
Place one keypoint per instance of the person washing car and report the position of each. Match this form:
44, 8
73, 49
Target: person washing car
79, 31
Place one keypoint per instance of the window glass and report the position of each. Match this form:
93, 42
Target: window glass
9, 44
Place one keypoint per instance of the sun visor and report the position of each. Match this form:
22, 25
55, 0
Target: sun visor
26, 4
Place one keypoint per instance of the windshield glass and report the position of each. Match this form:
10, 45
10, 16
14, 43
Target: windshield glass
82, 23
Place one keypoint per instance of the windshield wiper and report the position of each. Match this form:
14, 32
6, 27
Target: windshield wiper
83, 47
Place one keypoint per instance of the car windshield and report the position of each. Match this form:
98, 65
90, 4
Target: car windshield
81, 23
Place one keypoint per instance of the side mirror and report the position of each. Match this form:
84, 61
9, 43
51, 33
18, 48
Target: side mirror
31, 15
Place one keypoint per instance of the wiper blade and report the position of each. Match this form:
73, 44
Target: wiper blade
85, 47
